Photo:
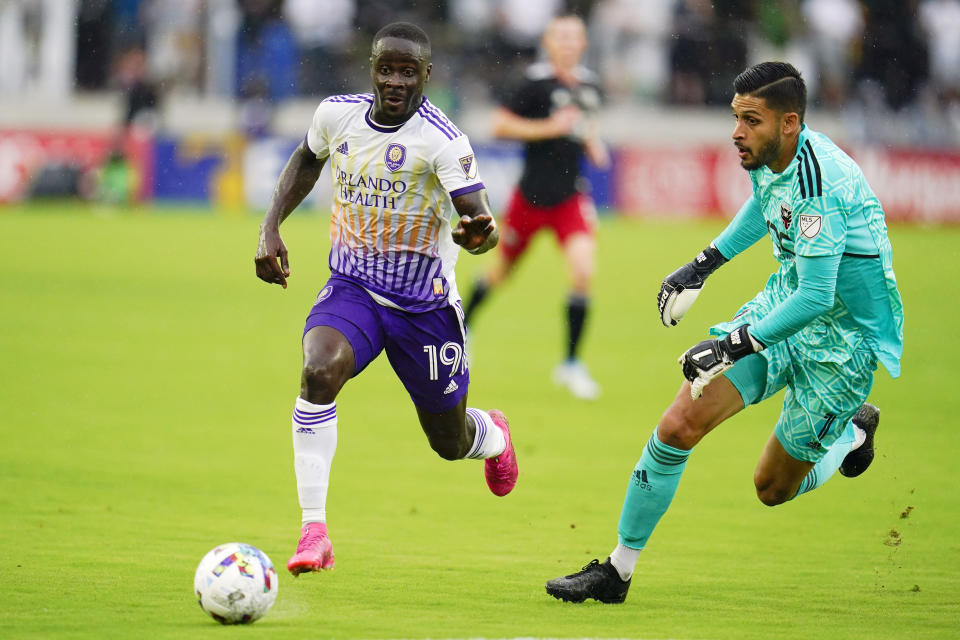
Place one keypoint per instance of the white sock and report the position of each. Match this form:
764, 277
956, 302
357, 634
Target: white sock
624, 559
488, 441
314, 443
859, 437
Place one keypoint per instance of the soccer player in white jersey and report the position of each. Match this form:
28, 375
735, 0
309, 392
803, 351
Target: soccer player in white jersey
824, 321
401, 171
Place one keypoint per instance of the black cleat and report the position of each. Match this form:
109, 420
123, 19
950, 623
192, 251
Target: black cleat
598, 581
857, 461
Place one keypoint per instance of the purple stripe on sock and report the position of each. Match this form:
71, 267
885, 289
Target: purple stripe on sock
301, 417
474, 445
311, 422
300, 420
309, 415
481, 425
481, 435
314, 413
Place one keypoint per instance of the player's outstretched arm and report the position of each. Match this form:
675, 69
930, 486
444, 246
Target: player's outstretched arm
476, 231
508, 125
295, 182
680, 289
708, 359
597, 152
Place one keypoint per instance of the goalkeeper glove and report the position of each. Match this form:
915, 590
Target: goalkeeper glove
681, 288
708, 359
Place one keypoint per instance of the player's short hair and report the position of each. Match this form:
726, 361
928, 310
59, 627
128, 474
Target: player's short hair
567, 15
779, 83
406, 31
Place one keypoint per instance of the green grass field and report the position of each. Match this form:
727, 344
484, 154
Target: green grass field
148, 378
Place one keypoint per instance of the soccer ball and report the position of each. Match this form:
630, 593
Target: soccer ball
235, 583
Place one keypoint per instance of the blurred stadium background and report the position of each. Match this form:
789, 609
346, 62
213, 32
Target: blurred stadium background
201, 101
149, 374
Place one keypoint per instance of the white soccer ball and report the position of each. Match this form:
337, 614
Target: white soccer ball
235, 583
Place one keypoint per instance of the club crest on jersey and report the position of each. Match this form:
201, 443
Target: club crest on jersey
810, 226
786, 215
469, 166
395, 155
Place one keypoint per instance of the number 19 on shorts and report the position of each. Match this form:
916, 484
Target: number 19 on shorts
450, 354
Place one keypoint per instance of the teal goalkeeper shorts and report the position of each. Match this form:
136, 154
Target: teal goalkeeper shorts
821, 397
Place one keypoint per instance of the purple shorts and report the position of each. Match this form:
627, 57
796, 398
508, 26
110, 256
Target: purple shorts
426, 350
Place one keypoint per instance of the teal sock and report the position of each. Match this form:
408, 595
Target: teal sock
650, 491
830, 462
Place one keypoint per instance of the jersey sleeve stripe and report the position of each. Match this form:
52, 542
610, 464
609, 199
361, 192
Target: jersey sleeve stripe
467, 189
345, 99
442, 118
805, 175
429, 117
803, 187
805, 163
816, 168
353, 98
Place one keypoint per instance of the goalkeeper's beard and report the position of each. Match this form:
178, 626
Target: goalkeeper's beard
767, 154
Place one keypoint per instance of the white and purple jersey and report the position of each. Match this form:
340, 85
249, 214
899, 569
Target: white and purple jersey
392, 206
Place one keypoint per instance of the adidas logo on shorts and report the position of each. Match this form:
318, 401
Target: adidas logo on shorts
453, 386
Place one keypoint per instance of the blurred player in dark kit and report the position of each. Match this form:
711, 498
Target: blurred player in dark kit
549, 111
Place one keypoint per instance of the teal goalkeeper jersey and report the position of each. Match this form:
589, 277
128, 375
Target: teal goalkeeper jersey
821, 213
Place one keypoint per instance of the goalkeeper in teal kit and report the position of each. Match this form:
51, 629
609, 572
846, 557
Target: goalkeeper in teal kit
819, 328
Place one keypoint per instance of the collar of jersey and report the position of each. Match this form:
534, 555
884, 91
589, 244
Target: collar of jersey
386, 128
801, 139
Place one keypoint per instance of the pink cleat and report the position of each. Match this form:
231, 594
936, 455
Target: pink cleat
501, 471
314, 552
